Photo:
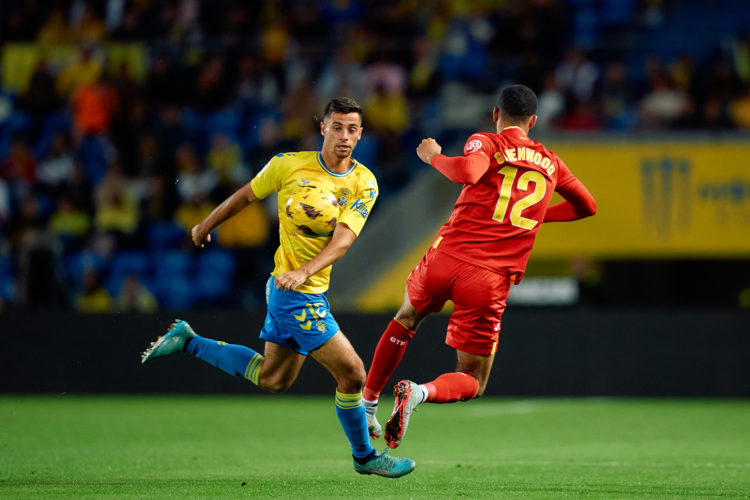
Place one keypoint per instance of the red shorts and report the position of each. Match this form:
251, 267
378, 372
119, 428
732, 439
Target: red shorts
479, 296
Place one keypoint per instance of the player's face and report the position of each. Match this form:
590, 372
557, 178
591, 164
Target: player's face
341, 132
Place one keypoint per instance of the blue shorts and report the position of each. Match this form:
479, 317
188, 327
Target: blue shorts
300, 321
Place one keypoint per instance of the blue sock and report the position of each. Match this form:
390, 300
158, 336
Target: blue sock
234, 359
351, 414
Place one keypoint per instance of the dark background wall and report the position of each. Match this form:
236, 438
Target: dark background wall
561, 352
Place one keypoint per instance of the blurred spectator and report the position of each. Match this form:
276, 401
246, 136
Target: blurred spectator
55, 29
134, 296
212, 87
248, 229
117, 210
19, 166
387, 111
193, 178
616, 98
385, 74
192, 210
663, 105
93, 297
551, 104
39, 282
40, 99
343, 74
301, 110
576, 75
89, 27
93, 103
69, 223
225, 158
739, 111
87, 69
58, 164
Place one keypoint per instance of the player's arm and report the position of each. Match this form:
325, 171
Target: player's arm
578, 203
342, 239
238, 200
462, 169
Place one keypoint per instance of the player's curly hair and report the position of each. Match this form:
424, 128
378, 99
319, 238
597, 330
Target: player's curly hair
343, 105
516, 102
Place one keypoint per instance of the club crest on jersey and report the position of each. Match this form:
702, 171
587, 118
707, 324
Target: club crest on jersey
342, 196
474, 146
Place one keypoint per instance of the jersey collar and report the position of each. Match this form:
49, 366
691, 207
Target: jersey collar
523, 134
331, 172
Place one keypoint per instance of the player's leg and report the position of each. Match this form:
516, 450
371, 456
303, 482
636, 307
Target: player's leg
387, 356
479, 302
426, 292
341, 360
275, 370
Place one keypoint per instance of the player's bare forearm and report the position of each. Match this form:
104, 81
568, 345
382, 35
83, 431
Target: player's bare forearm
342, 239
228, 208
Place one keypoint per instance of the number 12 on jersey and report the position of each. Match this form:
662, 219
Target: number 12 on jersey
506, 190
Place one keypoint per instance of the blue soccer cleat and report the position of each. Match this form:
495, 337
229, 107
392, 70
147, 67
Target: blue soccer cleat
382, 464
170, 343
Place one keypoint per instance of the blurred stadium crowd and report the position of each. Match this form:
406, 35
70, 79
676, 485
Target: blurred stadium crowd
104, 165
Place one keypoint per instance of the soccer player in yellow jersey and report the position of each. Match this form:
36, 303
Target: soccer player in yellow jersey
298, 320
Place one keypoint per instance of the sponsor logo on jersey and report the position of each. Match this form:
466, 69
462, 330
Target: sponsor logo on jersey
359, 207
474, 146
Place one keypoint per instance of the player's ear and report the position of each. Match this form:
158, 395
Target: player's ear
495, 114
532, 121
322, 128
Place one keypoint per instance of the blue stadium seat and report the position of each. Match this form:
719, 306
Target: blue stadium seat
165, 234
215, 275
173, 280
125, 263
77, 263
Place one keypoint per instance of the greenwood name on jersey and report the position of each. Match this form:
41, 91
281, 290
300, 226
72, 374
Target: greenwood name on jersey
495, 221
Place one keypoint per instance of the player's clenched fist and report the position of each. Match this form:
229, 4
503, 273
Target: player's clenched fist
200, 237
427, 149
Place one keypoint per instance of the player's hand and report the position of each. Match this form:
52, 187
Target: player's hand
290, 280
200, 236
427, 149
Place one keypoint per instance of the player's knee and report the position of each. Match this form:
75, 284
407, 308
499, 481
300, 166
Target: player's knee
352, 378
409, 318
275, 385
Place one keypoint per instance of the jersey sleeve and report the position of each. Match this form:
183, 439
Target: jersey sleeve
467, 169
355, 213
578, 202
268, 180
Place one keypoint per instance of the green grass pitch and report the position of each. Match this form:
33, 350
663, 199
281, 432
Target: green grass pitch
292, 447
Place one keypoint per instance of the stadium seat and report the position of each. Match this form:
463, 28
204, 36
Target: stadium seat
173, 282
215, 275
164, 235
126, 263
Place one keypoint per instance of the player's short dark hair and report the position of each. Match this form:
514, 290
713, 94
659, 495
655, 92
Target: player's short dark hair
516, 102
343, 105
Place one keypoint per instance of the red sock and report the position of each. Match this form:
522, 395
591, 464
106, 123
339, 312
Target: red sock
452, 387
388, 353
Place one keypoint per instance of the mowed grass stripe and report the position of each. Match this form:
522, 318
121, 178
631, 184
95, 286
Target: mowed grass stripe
292, 447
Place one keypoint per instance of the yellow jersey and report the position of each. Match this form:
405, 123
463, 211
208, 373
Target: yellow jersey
356, 191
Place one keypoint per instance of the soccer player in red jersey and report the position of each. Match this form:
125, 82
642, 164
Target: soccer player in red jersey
508, 181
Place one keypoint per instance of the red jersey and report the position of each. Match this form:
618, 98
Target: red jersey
496, 218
